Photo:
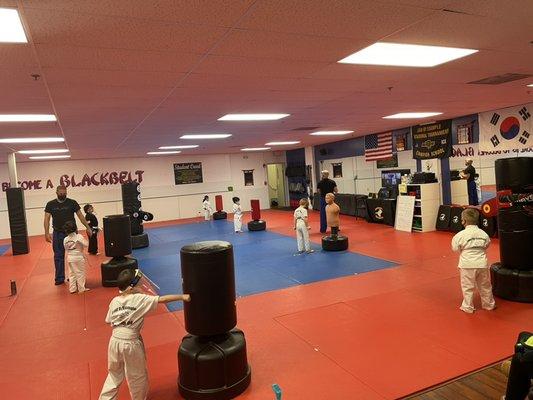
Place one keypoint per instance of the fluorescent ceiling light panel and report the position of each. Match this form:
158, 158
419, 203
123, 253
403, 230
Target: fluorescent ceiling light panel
406, 55
530, 85
33, 140
27, 118
281, 143
207, 136
11, 30
158, 153
255, 148
47, 157
187, 146
330, 133
252, 117
411, 115
47, 151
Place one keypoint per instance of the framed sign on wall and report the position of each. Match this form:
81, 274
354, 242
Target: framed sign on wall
248, 177
186, 173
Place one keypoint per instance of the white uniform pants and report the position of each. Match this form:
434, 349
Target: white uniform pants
237, 222
302, 236
76, 276
207, 215
126, 358
479, 278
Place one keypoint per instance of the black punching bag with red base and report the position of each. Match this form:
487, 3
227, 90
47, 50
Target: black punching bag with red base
212, 359
256, 224
512, 277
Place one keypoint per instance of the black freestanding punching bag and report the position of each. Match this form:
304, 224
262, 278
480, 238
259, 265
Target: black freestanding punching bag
117, 238
212, 359
17, 221
131, 205
512, 277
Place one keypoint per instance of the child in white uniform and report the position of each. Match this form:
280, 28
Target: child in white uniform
301, 225
237, 215
74, 244
473, 243
126, 354
208, 210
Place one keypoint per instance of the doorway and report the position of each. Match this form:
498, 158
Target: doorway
276, 185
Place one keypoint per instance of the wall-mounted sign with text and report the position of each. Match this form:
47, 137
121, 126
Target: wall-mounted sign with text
186, 173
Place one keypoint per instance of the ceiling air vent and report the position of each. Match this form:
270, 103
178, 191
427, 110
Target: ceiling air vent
499, 79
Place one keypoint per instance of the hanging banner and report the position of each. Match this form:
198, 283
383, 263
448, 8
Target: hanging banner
388, 163
432, 140
506, 129
185, 173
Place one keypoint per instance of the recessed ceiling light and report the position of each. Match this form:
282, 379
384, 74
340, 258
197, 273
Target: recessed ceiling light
158, 153
281, 143
330, 133
47, 157
252, 117
255, 148
47, 151
33, 140
207, 136
187, 146
411, 115
406, 55
27, 118
11, 30
530, 85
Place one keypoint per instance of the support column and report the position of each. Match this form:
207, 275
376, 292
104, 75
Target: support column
12, 170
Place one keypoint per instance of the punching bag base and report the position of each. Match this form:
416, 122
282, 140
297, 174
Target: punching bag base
220, 215
512, 284
140, 241
115, 266
258, 225
331, 244
213, 368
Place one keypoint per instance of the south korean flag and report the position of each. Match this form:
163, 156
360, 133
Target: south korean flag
506, 129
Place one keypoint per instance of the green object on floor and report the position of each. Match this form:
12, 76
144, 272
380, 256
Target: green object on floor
277, 391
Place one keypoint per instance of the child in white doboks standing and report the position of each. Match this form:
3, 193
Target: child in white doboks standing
301, 225
126, 353
472, 242
237, 215
208, 210
74, 244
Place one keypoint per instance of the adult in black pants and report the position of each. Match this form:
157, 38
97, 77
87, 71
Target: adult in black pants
93, 223
521, 371
61, 210
324, 187
469, 173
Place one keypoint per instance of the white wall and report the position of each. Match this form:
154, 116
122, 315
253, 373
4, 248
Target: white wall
160, 195
362, 177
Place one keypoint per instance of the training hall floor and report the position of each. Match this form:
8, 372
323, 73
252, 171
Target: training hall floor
380, 322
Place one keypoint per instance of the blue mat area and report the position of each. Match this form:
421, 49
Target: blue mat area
3, 249
263, 260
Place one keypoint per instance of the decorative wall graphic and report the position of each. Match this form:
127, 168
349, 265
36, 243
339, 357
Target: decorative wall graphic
378, 146
248, 177
432, 140
506, 129
187, 173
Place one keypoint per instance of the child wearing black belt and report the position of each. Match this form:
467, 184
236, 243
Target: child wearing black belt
93, 223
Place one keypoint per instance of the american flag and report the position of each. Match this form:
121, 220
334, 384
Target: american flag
378, 146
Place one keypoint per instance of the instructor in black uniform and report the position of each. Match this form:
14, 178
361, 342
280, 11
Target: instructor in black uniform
324, 187
469, 173
61, 210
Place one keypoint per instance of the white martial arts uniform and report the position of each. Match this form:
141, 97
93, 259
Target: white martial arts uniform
237, 217
207, 210
126, 355
74, 244
473, 264
302, 233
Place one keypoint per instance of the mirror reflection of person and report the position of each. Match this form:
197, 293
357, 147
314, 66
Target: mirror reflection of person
61, 210
469, 173
324, 187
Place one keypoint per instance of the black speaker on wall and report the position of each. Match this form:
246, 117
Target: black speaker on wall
17, 221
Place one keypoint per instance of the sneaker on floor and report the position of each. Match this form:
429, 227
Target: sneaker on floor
505, 367
466, 310
490, 308
310, 251
83, 291
298, 253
